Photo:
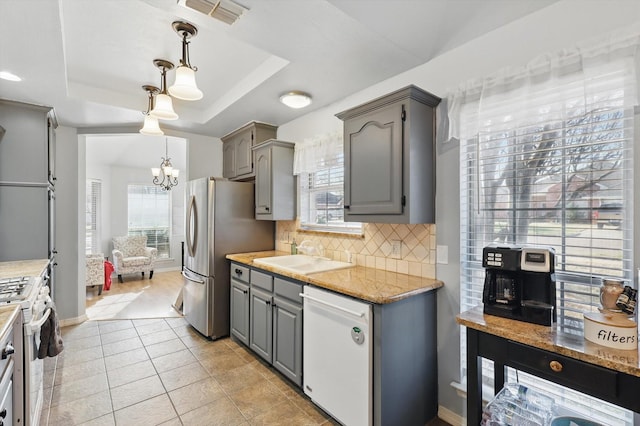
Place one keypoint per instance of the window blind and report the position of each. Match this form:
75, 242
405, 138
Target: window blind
552, 164
320, 166
93, 219
149, 213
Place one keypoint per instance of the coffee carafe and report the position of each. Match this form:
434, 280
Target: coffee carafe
520, 283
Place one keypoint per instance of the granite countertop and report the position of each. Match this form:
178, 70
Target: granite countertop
371, 285
23, 268
550, 339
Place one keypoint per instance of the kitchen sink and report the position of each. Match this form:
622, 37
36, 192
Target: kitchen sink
302, 263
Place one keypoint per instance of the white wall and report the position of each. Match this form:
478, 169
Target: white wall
556, 27
69, 230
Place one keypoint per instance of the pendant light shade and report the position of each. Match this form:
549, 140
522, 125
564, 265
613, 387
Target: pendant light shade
185, 87
164, 105
164, 108
151, 125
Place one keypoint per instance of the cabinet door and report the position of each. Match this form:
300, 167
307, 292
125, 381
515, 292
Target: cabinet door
261, 320
263, 181
240, 311
287, 339
373, 162
229, 159
244, 155
51, 151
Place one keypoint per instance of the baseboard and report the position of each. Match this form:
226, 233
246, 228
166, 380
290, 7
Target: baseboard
450, 417
73, 321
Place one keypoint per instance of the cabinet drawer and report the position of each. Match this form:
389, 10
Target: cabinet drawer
563, 370
239, 272
262, 280
288, 289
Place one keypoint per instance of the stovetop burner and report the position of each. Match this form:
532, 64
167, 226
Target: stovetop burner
12, 289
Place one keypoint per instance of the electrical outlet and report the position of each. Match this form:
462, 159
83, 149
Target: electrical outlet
396, 249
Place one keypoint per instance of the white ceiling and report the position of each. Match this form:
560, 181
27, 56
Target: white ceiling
89, 58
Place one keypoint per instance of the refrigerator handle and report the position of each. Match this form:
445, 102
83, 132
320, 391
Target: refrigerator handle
192, 218
192, 279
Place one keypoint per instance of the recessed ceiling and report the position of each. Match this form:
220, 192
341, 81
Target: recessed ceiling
89, 59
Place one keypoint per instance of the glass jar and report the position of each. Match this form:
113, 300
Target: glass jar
609, 292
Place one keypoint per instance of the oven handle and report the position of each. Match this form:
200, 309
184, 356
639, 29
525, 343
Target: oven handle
35, 326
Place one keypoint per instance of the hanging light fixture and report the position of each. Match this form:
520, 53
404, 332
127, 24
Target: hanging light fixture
185, 85
164, 105
169, 174
151, 125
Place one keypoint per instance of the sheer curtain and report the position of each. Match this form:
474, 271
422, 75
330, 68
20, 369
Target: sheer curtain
316, 153
542, 148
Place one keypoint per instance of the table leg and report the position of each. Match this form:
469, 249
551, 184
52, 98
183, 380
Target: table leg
474, 379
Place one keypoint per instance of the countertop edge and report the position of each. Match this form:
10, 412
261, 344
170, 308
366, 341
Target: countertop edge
545, 337
319, 279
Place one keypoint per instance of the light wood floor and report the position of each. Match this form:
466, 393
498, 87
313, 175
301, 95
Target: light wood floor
136, 298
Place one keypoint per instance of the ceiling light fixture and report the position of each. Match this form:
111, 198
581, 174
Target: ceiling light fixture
185, 86
164, 105
6, 75
151, 125
169, 174
295, 99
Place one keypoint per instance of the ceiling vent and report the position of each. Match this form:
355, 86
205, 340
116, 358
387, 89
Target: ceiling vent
226, 11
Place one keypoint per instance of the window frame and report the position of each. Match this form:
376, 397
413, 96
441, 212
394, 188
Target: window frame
162, 253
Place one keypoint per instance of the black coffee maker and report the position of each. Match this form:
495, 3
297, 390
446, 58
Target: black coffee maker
520, 283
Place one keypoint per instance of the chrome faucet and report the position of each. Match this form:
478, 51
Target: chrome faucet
311, 248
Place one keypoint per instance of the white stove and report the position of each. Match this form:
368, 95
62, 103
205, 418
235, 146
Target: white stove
34, 300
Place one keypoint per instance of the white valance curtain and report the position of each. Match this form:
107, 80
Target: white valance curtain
574, 77
317, 153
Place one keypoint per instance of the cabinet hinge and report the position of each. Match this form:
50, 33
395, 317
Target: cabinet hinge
251, 138
404, 114
404, 200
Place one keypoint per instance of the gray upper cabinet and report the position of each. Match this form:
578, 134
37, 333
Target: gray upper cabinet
238, 161
27, 149
389, 159
275, 184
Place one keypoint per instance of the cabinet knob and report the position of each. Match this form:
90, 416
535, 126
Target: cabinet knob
266, 208
8, 350
268, 302
3, 413
347, 207
238, 271
556, 366
245, 291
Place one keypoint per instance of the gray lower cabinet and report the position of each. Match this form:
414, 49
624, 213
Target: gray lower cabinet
240, 302
266, 315
287, 329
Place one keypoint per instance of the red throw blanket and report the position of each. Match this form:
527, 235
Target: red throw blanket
108, 269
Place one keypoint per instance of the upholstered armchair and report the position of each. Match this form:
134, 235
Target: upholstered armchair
131, 255
95, 271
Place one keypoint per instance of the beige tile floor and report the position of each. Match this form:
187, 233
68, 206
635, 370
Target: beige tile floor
162, 372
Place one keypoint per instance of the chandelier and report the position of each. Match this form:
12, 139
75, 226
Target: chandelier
169, 174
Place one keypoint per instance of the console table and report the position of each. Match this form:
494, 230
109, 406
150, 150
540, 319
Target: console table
569, 360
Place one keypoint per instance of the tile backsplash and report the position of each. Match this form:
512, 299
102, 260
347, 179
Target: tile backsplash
417, 255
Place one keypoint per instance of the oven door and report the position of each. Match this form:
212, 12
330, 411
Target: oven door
34, 367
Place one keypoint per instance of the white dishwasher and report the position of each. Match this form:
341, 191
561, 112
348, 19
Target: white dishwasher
337, 355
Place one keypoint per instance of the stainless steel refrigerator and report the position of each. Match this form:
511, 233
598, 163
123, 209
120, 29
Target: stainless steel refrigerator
220, 220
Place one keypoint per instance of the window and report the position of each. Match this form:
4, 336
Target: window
552, 165
320, 166
149, 210
93, 216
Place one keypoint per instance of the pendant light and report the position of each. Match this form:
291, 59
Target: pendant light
151, 125
185, 87
164, 105
169, 174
